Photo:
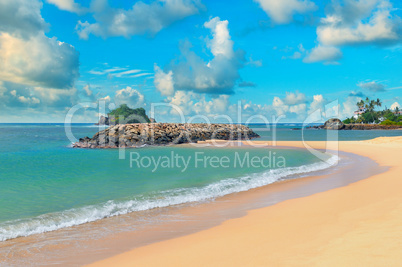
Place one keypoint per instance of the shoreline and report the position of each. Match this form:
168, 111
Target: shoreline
344, 225
220, 210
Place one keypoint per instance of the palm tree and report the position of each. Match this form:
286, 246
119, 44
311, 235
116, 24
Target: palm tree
378, 102
372, 105
360, 104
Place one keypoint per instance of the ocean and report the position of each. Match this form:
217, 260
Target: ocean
46, 185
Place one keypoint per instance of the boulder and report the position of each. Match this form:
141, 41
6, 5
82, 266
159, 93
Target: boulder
334, 124
103, 121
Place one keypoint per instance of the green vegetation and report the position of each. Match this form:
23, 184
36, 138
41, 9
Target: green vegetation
387, 116
389, 122
124, 114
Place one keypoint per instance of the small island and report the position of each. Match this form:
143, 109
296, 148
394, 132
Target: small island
367, 118
157, 134
133, 128
125, 114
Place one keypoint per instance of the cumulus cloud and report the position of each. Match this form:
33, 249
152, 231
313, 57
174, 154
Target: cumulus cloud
282, 11
191, 103
140, 19
191, 72
35, 71
294, 98
348, 107
21, 17
295, 106
328, 54
372, 86
163, 81
129, 96
56, 97
395, 105
360, 22
354, 22
38, 61
67, 5
18, 95
292, 103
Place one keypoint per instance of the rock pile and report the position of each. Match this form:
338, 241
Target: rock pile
138, 134
336, 124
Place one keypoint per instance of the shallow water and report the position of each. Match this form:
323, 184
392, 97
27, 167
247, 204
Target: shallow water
46, 185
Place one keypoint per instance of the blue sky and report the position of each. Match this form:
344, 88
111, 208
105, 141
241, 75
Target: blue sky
277, 58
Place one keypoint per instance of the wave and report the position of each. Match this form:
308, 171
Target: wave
57, 220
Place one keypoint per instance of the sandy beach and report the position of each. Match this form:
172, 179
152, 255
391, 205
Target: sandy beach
355, 225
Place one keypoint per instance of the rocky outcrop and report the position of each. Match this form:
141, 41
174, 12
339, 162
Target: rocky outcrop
371, 127
336, 124
103, 121
139, 134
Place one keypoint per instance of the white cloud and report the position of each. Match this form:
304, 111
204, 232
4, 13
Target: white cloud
295, 106
107, 99
43, 99
21, 17
28, 100
191, 104
129, 96
218, 76
140, 19
294, 98
38, 61
318, 103
360, 22
292, 103
372, 86
282, 11
327, 54
67, 5
55, 97
35, 71
349, 107
183, 100
221, 43
163, 81
395, 105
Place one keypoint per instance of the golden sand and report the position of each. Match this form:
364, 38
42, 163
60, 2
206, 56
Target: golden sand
356, 225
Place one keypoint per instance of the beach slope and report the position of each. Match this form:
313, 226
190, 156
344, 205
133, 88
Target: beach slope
356, 225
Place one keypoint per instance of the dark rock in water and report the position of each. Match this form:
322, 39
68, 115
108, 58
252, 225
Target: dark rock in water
138, 134
103, 121
334, 124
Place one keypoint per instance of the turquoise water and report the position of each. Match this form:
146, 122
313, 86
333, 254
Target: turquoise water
46, 185
287, 132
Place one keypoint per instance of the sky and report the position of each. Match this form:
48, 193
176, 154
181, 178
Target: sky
248, 60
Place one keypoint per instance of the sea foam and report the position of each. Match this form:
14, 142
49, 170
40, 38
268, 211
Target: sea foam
57, 220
